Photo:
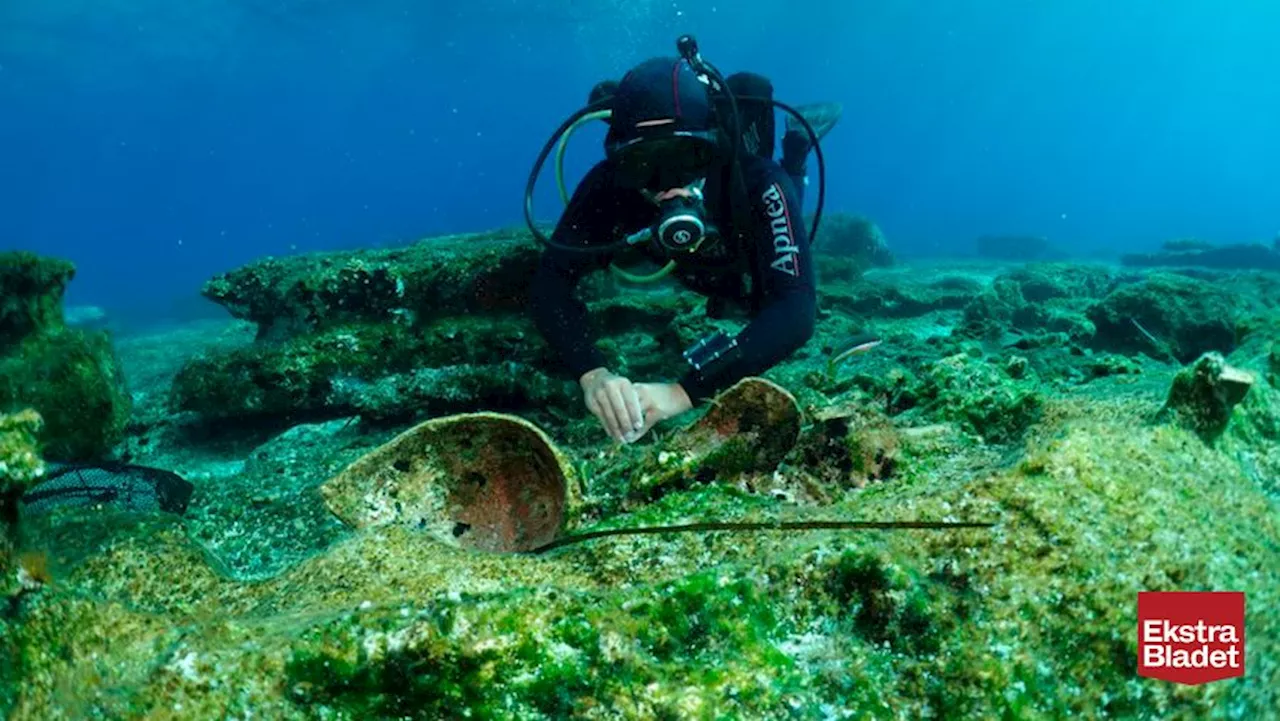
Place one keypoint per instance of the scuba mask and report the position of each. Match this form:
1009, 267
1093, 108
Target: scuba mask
664, 161
657, 164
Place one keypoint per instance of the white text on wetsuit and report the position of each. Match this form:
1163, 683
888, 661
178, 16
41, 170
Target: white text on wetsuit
786, 253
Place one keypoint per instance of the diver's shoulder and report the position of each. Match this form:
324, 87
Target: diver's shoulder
760, 174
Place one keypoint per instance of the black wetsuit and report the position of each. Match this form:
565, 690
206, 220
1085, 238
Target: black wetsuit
772, 276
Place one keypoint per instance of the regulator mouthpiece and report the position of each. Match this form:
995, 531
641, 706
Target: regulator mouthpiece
680, 227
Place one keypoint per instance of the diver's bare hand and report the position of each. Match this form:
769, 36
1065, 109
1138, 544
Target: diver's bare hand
661, 401
614, 401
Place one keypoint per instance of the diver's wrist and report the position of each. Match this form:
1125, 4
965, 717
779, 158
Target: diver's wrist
591, 375
682, 397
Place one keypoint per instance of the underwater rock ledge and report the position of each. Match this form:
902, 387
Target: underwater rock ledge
993, 397
1033, 617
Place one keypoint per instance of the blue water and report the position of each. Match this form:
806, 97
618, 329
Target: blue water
158, 143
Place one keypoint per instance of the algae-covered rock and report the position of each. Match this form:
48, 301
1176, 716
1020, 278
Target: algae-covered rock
981, 395
1255, 256
899, 298
1038, 298
1273, 365
1110, 364
1204, 393
74, 380
1168, 314
989, 315
20, 468
31, 293
348, 359
334, 372
849, 446
855, 237
434, 278
456, 389
1253, 436
1035, 617
1040, 282
20, 462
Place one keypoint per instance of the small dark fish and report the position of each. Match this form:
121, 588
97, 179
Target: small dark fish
134, 488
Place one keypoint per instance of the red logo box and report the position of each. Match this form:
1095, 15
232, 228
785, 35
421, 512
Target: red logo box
1191, 637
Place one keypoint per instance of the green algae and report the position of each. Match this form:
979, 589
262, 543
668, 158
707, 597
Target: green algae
897, 297
544, 655
20, 462
378, 369
75, 381
435, 278
1041, 298
31, 295
1204, 394
20, 467
1041, 282
854, 239
1032, 619
985, 398
1190, 317
71, 377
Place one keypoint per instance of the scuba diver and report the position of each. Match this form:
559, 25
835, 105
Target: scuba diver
688, 183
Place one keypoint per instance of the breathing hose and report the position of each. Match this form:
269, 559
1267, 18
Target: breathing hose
626, 275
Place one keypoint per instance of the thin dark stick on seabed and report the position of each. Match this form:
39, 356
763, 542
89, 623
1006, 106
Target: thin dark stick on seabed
762, 526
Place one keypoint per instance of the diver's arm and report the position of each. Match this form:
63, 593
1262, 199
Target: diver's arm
784, 271
561, 318
559, 315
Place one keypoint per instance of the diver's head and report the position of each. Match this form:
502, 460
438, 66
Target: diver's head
663, 133
602, 90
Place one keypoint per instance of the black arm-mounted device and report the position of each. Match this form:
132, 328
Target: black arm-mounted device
713, 354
